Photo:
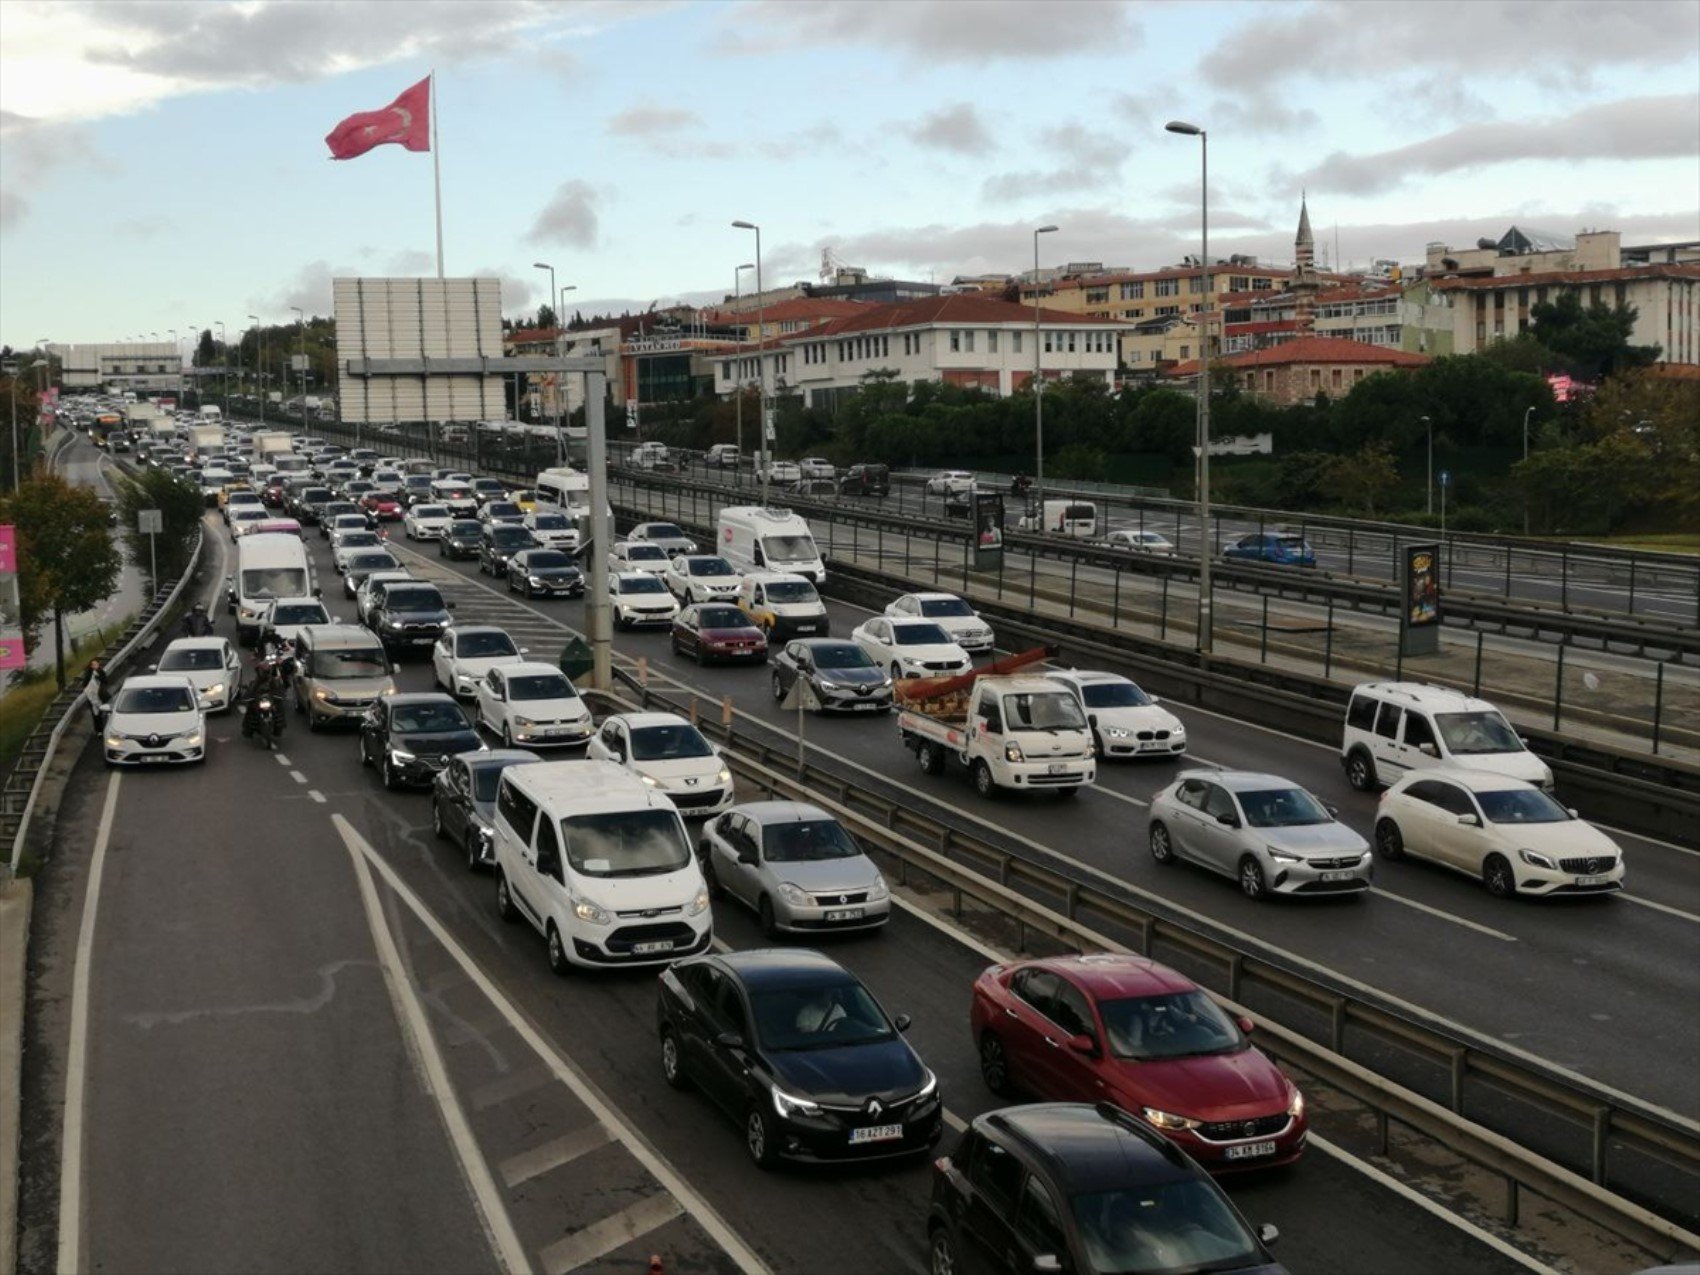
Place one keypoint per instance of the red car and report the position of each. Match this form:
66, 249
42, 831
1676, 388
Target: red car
272, 495
718, 631
1129, 1031
381, 506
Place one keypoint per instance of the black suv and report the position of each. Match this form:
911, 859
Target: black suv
1068, 1187
304, 503
865, 480
501, 541
407, 614
411, 737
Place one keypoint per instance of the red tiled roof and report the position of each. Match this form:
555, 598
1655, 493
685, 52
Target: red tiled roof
1311, 349
792, 309
1371, 293
962, 308
529, 336
1661, 271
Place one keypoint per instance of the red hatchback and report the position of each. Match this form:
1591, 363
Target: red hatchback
1127, 1030
381, 506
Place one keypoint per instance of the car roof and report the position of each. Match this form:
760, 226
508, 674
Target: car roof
198, 644
1474, 780
907, 621
406, 698
1111, 975
935, 597
1086, 676
342, 635
1089, 1149
638, 721
769, 967
497, 756
1240, 780
634, 575
155, 681
771, 812
820, 643
530, 668
1421, 694
589, 785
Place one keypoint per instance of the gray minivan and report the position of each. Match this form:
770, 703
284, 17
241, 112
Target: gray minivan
341, 670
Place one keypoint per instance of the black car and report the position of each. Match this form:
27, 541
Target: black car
411, 737
500, 541
865, 480
545, 571
305, 503
329, 511
800, 1054
463, 800
841, 673
461, 539
1090, 1190
416, 490
407, 615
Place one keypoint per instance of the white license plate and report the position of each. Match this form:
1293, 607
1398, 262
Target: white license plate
1056, 768
422, 641
1249, 1151
863, 703
846, 914
151, 759
666, 945
1592, 880
877, 1133
805, 628
1336, 876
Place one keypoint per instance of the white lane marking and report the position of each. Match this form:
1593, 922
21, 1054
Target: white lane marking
281, 760
1444, 916
566, 1071
1100, 791
497, 1092
410, 1018
1657, 841
76, 1063
554, 1153
1658, 907
298, 777
1387, 1181
614, 1231
955, 1121
316, 795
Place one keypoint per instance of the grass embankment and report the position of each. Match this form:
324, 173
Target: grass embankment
1657, 542
24, 702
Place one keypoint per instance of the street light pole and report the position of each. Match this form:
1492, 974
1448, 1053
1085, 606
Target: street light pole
737, 299
555, 398
1428, 490
1205, 598
260, 372
301, 329
1527, 413
560, 380
1038, 390
761, 363
224, 360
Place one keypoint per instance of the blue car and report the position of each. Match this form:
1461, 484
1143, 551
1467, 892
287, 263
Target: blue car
1281, 548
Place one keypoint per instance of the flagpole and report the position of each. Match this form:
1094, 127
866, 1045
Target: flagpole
437, 172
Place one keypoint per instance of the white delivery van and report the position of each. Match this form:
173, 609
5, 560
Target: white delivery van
754, 538
269, 565
1393, 728
783, 606
1076, 518
600, 864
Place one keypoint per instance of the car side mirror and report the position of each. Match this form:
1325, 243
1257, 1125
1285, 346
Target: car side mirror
730, 1040
1083, 1044
318, 592
1228, 821
901, 1022
1333, 811
1469, 821
1268, 1234
1155, 699
1571, 811
1245, 1024
1427, 750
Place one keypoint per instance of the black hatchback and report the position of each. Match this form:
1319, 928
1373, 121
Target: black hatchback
865, 480
460, 539
791, 1046
409, 738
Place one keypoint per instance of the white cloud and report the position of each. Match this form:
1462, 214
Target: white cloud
569, 217
1088, 158
934, 30
648, 121
40, 148
957, 129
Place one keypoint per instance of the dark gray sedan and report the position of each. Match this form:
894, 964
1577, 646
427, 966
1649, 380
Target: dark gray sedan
842, 675
463, 801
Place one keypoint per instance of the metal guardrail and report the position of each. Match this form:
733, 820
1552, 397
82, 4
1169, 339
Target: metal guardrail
1613, 1140
22, 791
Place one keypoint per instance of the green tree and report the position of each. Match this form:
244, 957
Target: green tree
206, 350
545, 315
67, 559
1079, 460
1596, 338
1363, 478
1586, 489
180, 506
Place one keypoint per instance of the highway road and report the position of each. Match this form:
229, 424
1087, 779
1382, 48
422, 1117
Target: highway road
307, 1042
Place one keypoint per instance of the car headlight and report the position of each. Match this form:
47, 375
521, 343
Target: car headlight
1296, 1107
912, 661
400, 754
878, 890
324, 696
114, 741
724, 777
217, 688
523, 721
788, 1105
1118, 732
651, 780
536, 582
1012, 752
1166, 1119
1281, 856
828, 686
588, 912
793, 895
698, 905
1537, 860
929, 1087
392, 623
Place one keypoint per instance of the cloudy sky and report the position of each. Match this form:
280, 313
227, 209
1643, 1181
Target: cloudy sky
162, 163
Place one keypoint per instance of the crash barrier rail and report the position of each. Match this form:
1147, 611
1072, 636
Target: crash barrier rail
23, 788
1610, 1143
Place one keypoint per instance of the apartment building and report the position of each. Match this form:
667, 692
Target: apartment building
1296, 371
146, 367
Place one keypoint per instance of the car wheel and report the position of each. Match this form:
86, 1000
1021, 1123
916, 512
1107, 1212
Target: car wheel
1097, 745
392, 781
504, 898
778, 688
764, 913
1252, 882
983, 783
672, 1070
558, 962
931, 758
507, 736
1360, 771
1498, 877
758, 1138
941, 1253
994, 1066
1389, 843
896, 673
1162, 849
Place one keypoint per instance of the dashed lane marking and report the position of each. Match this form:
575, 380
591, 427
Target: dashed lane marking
554, 1153
1658, 907
316, 795
615, 1231
298, 777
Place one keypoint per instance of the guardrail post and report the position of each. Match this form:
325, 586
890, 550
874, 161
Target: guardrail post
938, 548
1558, 687
1032, 576
1658, 703
1509, 1217
1328, 642
1163, 632
1116, 598
853, 551
879, 548
1508, 573
1602, 1136
1380, 1132
1236, 964
1398, 660
1481, 636
1001, 556
1460, 1067
1263, 643
1564, 579
1351, 548
967, 548
1073, 581
1071, 899
1632, 586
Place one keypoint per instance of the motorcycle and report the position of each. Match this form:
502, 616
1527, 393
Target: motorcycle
263, 717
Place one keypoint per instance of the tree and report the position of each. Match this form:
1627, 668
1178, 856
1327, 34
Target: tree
67, 559
206, 349
1596, 338
180, 507
1361, 479
545, 316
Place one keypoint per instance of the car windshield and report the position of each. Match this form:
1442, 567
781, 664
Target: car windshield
548, 560
1168, 1226
710, 567
645, 553
274, 582
1515, 805
842, 655
479, 646
465, 530
827, 1016
503, 509
155, 699
918, 635
541, 686
668, 743
414, 598
359, 661
551, 522
244, 513
1048, 710
182, 659
1114, 695
1171, 1025
807, 841
722, 618
357, 539
664, 531
300, 613
642, 584
361, 563
1282, 808
430, 511
1470, 734
427, 718
789, 549
791, 591
454, 493
349, 522
626, 843
504, 535
945, 606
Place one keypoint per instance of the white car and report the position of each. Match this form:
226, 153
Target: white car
1506, 833
155, 720
639, 597
637, 555
532, 705
289, 616
245, 518
817, 467
1125, 721
1140, 542
464, 654
245, 499
349, 544
949, 481
426, 522
910, 647
670, 754
951, 614
782, 471
669, 535
553, 529
211, 665
701, 577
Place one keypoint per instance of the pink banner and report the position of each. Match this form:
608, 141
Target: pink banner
12, 653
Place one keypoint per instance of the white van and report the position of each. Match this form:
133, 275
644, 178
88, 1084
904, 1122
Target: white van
753, 538
600, 863
1076, 518
1393, 728
566, 490
269, 565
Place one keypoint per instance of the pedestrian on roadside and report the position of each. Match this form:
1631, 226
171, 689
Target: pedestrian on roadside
94, 689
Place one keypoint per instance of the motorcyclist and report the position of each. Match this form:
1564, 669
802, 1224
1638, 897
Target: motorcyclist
273, 663
197, 623
1019, 485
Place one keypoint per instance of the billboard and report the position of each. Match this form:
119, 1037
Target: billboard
439, 330
1419, 618
12, 653
988, 530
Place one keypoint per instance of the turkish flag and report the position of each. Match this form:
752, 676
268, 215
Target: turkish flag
406, 120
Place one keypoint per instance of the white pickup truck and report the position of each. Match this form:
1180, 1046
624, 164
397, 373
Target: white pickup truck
1021, 732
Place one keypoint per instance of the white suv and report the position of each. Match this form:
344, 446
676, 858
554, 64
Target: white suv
532, 705
1393, 728
670, 755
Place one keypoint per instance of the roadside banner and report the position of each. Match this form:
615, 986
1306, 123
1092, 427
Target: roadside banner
987, 513
1419, 618
12, 653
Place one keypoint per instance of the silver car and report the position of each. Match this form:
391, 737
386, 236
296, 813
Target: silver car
796, 866
1266, 832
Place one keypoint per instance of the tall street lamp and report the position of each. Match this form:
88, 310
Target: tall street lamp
1428, 489
555, 378
260, 371
737, 308
301, 329
761, 363
177, 353
561, 380
1038, 389
1527, 413
1205, 549
224, 361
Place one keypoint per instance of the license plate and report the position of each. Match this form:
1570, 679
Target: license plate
422, 641
1336, 876
864, 703
805, 628
880, 1133
1591, 880
1056, 768
1249, 1151
148, 759
845, 914
666, 945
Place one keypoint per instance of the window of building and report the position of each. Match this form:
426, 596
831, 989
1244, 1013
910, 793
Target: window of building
1262, 285
1015, 341
1269, 382
1195, 283
955, 341
968, 340
1133, 291
992, 341
1167, 309
1186, 351
1316, 378
726, 371
1168, 287
1071, 340
1335, 379
1095, 295
1048, 338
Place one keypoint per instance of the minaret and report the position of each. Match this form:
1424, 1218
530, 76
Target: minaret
1305, 284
